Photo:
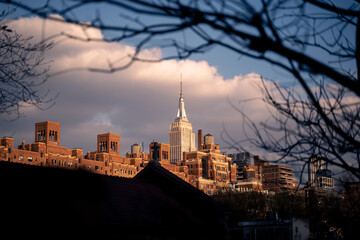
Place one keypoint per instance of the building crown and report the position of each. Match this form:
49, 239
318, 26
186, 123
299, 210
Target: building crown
181, 114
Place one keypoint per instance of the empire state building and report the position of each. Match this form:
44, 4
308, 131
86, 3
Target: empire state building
181, 137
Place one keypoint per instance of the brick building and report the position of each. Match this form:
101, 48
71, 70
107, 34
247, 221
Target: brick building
45, 151
106, 160
153, 205
209, 170
248, 178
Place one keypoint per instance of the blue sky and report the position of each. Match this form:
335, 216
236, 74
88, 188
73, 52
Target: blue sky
228, 63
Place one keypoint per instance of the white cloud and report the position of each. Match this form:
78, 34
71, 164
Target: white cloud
138, 103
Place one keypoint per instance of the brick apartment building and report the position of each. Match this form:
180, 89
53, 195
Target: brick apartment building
248, 178
208, 169
217, 173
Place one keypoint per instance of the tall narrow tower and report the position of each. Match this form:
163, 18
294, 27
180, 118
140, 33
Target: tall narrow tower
48, 133
181, 137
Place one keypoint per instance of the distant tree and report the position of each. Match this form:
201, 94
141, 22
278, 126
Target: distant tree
350, 206
23, 70
246, 206
316, 42
288, 205
327, 219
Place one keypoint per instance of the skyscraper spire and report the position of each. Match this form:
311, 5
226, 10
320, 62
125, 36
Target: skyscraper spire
181, 93
181, 137
181, 115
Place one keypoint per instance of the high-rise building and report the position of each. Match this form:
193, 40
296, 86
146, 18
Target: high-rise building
315, 164
319, 176
276, 177
181, 137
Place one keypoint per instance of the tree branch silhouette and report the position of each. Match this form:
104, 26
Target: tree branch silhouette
316, 42
23, 70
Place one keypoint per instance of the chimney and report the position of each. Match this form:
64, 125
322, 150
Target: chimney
256, 160
200, 137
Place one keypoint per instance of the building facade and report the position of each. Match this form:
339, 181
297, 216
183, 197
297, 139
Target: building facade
276, 177
240, 158
46, 151
181, 137
208, 169
248, 178
265, 177
319, 176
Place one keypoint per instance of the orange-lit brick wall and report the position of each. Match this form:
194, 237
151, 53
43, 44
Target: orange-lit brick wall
207, 170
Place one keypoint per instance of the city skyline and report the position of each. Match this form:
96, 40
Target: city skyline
94, 129
125, 102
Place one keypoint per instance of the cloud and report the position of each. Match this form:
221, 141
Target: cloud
139, 103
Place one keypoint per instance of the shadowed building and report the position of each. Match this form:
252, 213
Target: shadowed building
240, 158
276, 177
155, 204
319, 176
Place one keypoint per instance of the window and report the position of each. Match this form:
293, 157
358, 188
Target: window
30, 159
21, 158
41, 154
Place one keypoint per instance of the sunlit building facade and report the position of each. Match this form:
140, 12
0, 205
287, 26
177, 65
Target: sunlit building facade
181, 137
46, 151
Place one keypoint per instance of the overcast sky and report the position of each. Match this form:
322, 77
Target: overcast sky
138, 103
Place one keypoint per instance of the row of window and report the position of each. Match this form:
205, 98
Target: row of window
221, 168
63, 163
116, 170
124, 171
21, 158
218, 168
53, 135
223, 175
